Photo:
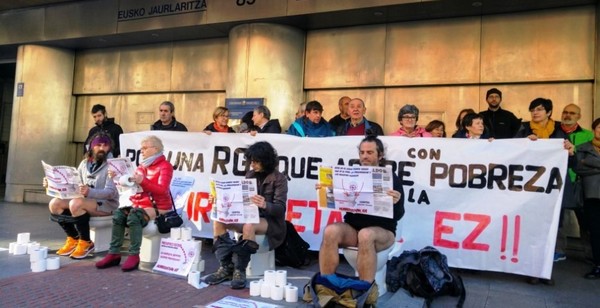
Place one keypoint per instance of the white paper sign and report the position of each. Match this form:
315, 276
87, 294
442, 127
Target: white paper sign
63, 181
176, 257
233, 205
236, 302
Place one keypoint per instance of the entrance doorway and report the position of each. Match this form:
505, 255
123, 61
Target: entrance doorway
7, 86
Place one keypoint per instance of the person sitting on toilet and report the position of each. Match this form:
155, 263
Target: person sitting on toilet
271, 201
100, 199
153, 175
370, 234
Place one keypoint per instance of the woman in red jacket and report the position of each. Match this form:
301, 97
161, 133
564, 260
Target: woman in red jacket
153, 175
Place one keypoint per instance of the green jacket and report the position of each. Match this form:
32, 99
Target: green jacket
578, 137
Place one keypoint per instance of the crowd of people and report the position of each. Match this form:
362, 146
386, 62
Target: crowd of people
369, 233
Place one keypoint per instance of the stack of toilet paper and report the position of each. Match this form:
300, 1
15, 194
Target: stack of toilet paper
185, 234
38, 255
275, 287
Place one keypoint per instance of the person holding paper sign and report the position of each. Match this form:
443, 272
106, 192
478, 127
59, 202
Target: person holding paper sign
370, 234
154, 176
100, 198
271, 201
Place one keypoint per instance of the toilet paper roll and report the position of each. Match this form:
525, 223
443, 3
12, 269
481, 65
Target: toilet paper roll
44, 250
198, 246
12, 247
186, 234
52, 263
265, 290
20, 249
23, 238
276, 293
32, 246
280, 278
36, 255
194, 279
38, 267
175, 233
255, 287
270, 277
291, 294
124, 180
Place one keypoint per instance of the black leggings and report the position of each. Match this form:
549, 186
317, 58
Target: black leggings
591, 209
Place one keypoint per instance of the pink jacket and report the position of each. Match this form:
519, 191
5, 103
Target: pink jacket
418, 132
157, 181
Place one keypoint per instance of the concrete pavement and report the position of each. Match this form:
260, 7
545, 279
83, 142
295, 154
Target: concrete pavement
79, 283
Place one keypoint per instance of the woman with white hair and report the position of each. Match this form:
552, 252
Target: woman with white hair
153, 175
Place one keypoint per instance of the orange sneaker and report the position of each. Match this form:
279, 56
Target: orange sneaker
84, 248
68, 247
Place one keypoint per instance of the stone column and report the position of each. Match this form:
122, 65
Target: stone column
267, 60
42, 117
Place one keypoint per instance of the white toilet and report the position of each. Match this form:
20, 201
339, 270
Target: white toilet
263, 260
100, 234
351, 254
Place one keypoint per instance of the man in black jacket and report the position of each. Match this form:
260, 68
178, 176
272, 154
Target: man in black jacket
500, 123
106, 125
166, 121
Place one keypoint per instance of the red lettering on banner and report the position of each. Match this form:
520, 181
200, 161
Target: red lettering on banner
439, 229
193, 208
483, 222
334, 216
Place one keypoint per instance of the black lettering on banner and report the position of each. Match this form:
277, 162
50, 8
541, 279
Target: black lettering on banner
437, 171
462, 182
239, 156
133, 155
286, 166
221, 162
297, 173
403, 173
555, 181
529, 185
312, 170
432, 154
477, 173
354, 162
497, 178
512, 178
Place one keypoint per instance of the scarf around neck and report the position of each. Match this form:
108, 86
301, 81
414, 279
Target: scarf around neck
541, 131
221, 129
148, 161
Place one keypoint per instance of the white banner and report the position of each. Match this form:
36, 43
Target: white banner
486, 205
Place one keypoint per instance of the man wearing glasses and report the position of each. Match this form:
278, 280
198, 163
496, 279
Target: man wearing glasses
167, 119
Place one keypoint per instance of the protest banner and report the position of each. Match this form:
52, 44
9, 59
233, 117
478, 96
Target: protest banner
486, 205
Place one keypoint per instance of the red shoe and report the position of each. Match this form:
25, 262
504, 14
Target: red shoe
111, 259
131, 263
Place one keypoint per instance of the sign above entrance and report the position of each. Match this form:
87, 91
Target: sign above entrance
133, 10
238, 107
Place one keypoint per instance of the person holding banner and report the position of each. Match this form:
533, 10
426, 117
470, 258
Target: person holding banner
100, 198
542, 126
588, 168
370, 234
357, 124
408, 117
261, 118
271, 201
221, 119
472, 127
154, 176
312, 123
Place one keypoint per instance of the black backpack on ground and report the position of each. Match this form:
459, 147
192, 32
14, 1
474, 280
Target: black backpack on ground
294, 250
426, 274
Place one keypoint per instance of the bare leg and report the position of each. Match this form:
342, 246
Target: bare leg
370, 241
335, 236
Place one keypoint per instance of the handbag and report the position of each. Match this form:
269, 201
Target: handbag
164, 222
573, 194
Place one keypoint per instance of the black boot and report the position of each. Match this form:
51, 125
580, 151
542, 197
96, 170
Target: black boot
594, 274
222, 248
243, 250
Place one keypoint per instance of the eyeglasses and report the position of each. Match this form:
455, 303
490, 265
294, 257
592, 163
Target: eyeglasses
145, 148
409, 118
570, 112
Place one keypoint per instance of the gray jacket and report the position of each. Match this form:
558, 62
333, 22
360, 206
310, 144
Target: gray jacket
102, 188
588, 168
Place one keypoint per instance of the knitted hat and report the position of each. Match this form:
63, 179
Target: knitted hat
493, 90
100, 139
